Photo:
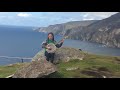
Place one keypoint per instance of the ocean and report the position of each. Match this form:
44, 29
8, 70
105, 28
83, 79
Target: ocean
16, 41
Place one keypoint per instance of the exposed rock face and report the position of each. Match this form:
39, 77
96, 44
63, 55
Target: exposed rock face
106, 31
36, 69
63, 54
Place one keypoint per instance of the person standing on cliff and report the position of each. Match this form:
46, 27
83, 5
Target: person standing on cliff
50, 39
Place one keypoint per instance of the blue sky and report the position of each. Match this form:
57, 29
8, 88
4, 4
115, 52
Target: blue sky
42, 19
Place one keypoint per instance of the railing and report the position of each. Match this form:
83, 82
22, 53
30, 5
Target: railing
21, 58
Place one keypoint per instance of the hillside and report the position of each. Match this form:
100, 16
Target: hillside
62, 28
106, 31
91, 66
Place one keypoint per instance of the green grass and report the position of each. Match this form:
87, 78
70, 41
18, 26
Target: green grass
9, 70
109, 66
91, 67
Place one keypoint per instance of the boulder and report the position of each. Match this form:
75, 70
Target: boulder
63, 54
35, 69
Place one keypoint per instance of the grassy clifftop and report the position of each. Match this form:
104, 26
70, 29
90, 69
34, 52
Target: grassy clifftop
9, 69
93, 66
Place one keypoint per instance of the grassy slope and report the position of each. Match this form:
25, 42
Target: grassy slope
9, 70
92, 66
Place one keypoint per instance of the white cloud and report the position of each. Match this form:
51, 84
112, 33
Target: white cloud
86, 15
100, 15
72, 19
103, 14
24, 15
96, 15
88, 19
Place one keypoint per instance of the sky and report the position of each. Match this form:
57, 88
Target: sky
43, 19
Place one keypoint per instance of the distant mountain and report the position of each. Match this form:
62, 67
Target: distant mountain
106, 31
62, 28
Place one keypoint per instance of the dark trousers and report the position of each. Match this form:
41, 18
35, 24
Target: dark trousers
49, 56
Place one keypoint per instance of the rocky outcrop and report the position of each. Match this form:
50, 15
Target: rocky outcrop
63, 54
39, 67
35, 69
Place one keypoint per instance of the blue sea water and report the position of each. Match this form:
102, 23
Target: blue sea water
24, 42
